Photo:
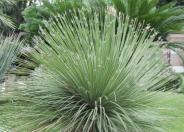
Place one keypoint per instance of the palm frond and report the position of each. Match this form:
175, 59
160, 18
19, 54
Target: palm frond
94, 77
2, 2
9, 47
165, 18
6, 20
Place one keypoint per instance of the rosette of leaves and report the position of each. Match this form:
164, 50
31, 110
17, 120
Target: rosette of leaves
94, 77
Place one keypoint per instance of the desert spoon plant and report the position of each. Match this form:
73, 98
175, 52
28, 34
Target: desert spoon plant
94, 77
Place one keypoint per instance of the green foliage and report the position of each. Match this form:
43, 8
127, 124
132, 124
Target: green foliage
32, 18
35, 15
164, 18
94, 77
179, 2
5, 19
9, 47
14, 11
